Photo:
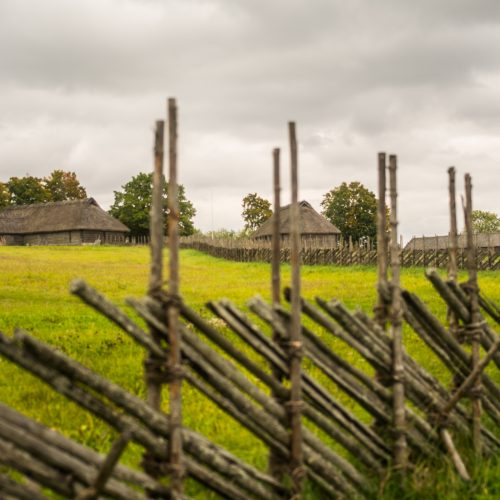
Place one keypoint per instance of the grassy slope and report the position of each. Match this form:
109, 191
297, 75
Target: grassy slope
34, 295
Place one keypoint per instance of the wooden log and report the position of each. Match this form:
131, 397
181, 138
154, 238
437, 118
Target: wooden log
381, 307
12, 489
451, 356
36, 470
106, 469
454, 455
218, 459
396, 313
276, 466
423, 430
175, 386
421, 393
324, 401
453, 266
86, 455
309, 411
96, 300
458, 356
471, 379
153, 384
210, 359
62, 461
295, 342
474, 326
490, 307
458, 304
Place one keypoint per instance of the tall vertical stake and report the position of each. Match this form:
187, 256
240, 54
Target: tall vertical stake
276, 229
453, 246
277, 466
473, 328
175, 442
295, 402
156, 228
381, 307
156, 234
398, 391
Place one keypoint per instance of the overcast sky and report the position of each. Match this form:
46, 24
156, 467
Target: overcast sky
82, 82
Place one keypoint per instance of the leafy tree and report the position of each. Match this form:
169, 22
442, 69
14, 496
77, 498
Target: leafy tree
27, 190
485, 222
63, 185
353, 209
133, 204
256, 211
4, 195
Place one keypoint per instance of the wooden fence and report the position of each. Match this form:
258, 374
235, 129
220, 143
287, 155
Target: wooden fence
487, 259
256, 390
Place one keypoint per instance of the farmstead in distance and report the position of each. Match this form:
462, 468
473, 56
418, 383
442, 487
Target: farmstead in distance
313, 226
72, 222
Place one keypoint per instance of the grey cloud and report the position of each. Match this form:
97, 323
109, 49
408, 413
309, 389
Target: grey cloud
82, 83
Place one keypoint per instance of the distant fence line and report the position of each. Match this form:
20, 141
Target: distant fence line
247, 250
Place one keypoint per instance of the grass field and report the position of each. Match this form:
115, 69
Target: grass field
34, 295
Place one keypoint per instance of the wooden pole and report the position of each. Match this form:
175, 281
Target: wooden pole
155, 277
295, 327
175, 442
276, 466
473, 328
452, 251
398, 371
276, 229
380, 308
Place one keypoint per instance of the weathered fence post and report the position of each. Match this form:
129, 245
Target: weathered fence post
152, 365
295, 403
175, 442
473, 328
452, 251
277, 465
381, 307
156, 230
398, 371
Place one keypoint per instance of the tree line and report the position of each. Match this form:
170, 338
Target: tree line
352, 208
131, 205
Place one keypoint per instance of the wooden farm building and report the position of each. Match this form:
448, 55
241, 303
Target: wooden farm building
73, 222
314, 228
481, 240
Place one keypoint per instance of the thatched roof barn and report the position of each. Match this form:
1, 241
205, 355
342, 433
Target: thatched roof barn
313, 226
72, 222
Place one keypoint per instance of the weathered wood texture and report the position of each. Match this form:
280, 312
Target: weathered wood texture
488, 259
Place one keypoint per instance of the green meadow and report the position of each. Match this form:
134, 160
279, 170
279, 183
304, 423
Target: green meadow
34, 296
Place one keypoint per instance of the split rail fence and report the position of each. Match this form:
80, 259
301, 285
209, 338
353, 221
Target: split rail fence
487, 259
412, 414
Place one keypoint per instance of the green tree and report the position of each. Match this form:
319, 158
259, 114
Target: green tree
485, 222
63, 185
353, 209
4, 195
27, 190
133, 204
256, 210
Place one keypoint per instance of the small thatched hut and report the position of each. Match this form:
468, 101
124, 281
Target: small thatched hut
73, 222
314, 228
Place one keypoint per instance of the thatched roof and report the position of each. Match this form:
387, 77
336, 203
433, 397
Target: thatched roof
58, 216
311, 223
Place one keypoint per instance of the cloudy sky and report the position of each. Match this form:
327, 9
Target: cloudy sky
82, 82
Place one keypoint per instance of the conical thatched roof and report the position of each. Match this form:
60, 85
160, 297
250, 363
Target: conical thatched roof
311, 223
58, 216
